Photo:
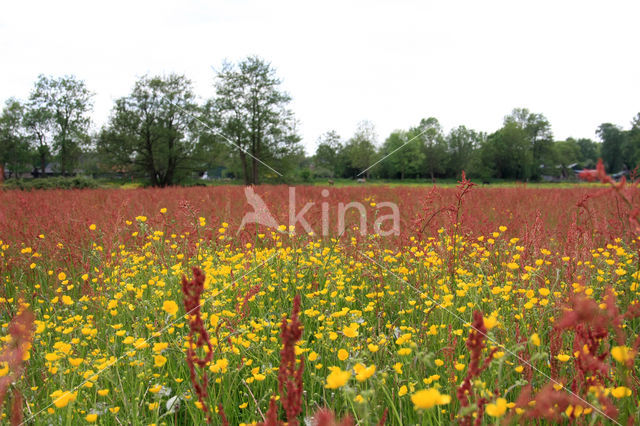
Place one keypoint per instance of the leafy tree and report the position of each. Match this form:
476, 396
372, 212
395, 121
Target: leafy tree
508, 151
461, 143
58, 119
589, 152
250, 110
360, 151
539, 135
153, 129
14, 149
429, 136
567, 152
328, 152
613, 140
403, 157
38, 124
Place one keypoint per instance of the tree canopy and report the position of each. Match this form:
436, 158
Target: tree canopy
162, 131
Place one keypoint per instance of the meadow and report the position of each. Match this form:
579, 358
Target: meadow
489, 305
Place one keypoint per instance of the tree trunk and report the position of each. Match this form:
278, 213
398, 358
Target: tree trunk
1, 172
255, 148
433, 179
243, 159
254, 167
43, 164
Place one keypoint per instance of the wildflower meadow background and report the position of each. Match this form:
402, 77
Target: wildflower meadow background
150, 306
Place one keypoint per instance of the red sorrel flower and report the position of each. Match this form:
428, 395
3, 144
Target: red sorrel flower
192, 290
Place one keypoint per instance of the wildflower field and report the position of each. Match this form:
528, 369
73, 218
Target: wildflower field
488, 305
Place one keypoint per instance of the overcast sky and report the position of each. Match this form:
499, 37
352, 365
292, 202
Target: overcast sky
392, 63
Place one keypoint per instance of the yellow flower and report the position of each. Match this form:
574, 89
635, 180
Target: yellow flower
313, 356
62, 276
141, 218
490, 322
62, 399
103, 392
373, 348
535, 339
458, 366
160, 346
337, 378
92, 227
159, 361
52, 356
155, 389
351, 330
91, 418
163, 210
402, 391
343, 354
620, 392
398, 367
563, 357
363, 372
427, 398
498, 408
170, 307
622, 354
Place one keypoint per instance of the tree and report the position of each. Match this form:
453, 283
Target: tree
250, 110
153, 129
14, 149
589, 152
402, 157
508, 152
429, 136
327, 153
631, 146
58, 110
461, 143
539, 135
38, 123
613, 139
360, 150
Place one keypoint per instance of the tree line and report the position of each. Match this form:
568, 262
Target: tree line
522, 149
160, 131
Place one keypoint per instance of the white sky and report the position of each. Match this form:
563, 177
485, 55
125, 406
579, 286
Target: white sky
392, 63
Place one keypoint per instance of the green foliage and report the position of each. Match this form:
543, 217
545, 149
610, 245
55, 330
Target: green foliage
461, 144
508, 152
57, 116
153, 130
250, 114
434, 147
327, 157
14, 147
247, 131
359, 153
404, 158
613, 141
77, 182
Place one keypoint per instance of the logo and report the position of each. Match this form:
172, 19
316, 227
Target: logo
261, 215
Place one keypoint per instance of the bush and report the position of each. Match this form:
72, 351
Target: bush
75, 182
